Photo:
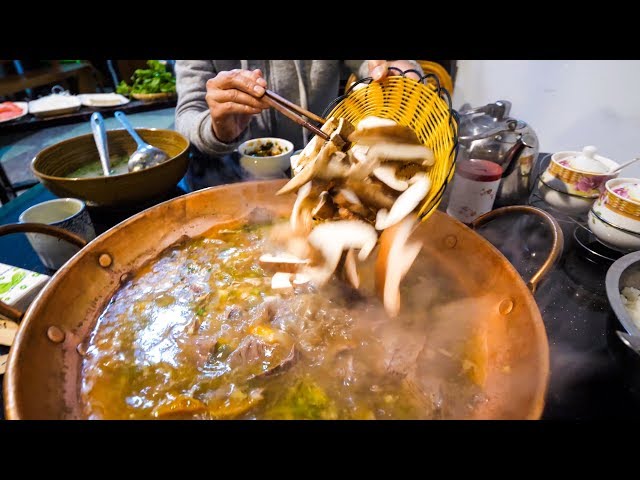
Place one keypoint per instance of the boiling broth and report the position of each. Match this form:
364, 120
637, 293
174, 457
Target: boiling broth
199, 333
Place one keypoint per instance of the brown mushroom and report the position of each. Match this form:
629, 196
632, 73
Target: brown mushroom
370, 193
311, 169
325, 207
395, 257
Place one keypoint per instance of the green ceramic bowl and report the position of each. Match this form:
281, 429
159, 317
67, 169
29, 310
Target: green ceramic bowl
52, 165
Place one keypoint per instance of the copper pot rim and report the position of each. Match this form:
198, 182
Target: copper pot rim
13, 411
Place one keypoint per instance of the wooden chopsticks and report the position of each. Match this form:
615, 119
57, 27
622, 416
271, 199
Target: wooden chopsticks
294, 112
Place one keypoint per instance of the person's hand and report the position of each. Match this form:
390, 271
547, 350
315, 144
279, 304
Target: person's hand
379, 69
233, 98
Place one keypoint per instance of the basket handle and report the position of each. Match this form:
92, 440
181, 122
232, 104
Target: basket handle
550, 222
7, 310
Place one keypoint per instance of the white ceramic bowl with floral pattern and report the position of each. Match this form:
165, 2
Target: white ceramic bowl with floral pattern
573, 180
615, 216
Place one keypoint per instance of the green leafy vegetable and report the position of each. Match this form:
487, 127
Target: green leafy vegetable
155, 79
304, 401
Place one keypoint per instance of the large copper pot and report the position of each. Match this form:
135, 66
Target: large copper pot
42, 376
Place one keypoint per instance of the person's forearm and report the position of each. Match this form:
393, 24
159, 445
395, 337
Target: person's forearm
193, 119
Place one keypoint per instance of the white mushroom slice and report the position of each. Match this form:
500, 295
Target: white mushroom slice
402, 153
351, 269
311, 169
387, 175
299, 247
370, 122
295, 164
301, 279
406, 202
394, 259
282, 261
350, 196
359, 152
281, 281
335, 167
303, 193
332, 238
372, 130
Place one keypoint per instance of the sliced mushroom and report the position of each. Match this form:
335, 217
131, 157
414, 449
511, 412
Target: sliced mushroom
406, 202
295, 164
281, 281
346, 214
406, 171
359, 152
299, 247
332, 238
335, 167
370, 194
312, 148
394, 259
303, 193
341, 134
311, 169
301, 279
283, 262
387, 175
372, 130
351, 269
325, 208
385, 151
345, 195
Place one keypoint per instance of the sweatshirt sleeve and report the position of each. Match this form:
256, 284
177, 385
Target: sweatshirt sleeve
192, 112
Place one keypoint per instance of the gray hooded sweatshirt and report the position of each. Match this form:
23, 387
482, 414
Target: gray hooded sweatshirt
312, 84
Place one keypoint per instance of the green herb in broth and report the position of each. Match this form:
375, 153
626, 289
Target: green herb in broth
94, 169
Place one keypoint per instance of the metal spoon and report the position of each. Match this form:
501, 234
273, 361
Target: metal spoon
100, 136
623, 166
630, 341
145, 155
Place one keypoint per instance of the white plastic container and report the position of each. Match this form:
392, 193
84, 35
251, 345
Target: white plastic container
474, 189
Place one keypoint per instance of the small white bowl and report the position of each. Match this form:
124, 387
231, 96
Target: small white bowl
564, 202
615, 216
265, 167
613, 237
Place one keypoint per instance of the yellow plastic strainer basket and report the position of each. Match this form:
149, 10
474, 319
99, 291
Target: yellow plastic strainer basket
423, 106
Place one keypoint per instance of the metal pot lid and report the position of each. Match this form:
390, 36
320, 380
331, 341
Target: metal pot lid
488, 120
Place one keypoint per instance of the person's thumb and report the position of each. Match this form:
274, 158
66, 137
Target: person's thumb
377, 69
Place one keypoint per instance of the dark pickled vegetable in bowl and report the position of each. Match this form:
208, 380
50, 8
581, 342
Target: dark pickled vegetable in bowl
267, 149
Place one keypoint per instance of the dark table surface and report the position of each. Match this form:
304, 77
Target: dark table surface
586, 381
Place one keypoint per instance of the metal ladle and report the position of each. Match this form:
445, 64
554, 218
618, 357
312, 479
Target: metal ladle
145, 155
100, 136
